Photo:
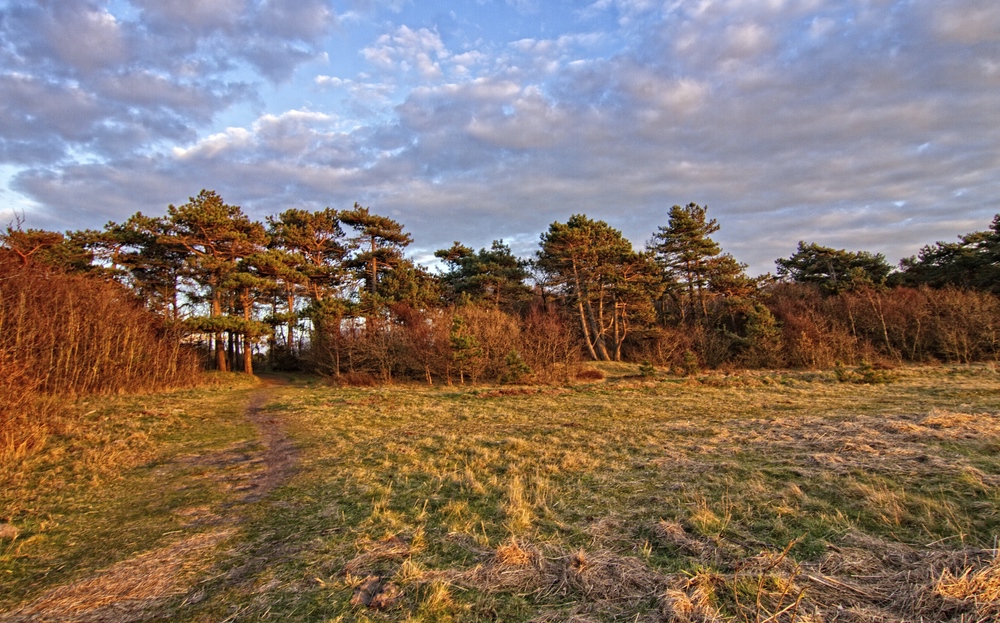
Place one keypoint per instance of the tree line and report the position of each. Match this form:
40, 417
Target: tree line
332, 290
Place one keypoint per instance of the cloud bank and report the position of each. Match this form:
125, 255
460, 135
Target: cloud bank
860, 125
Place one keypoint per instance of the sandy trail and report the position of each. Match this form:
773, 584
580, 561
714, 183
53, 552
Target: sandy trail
136, 589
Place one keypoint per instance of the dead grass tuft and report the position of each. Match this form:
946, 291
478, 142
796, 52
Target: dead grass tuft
389, 549
672, 533
599, 577
942, 418
355, 379
878, 580
377, 594
8, 531
978, 585
589, 374
511, 554
689, 599
604, 576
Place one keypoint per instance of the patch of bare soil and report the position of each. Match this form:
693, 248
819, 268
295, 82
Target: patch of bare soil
137, 588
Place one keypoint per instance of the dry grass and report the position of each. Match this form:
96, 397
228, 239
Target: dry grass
589, 374
132, 590
754, 497
123, 477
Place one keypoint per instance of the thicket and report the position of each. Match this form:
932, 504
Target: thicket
66, 335
332, 291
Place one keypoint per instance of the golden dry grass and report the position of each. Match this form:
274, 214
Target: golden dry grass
750, 497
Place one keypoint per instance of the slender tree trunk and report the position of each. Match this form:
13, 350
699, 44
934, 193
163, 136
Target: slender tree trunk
220, 349
291, 323
598, 331
247, 355
615, 332
877, 308
374, 268
583, 315
586, 331
247, 343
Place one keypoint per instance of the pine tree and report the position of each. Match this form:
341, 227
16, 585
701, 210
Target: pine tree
687, 255
494, 276
153, 265
834, 270
972, 262
601, 276
216, 235
379, 244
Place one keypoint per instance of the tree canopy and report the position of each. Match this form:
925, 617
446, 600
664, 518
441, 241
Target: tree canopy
972, 262
834, 270
334, 288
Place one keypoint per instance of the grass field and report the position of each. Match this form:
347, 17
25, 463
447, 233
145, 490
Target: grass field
746, 497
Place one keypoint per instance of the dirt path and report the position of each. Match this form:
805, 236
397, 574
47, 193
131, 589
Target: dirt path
136, 589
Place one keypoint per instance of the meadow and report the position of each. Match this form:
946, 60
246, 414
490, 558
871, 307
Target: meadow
752, 496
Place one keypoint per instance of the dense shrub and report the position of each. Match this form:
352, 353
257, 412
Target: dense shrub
71, 335
899, 324
469, 343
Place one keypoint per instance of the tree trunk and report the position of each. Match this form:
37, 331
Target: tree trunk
583, 315
586, 331
291, 323
247, 355
220, 348
247, 343
374, 268
598, 331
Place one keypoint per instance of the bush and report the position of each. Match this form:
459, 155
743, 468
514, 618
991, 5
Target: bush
356, 379
690, 365
589, 374
73, 335
517, 370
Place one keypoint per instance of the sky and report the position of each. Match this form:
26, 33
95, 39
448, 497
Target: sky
860, 124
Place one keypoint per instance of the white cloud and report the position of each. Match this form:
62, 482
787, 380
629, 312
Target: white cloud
779, 115
528, 121
232, 139
407, 49
744, 40
670, 95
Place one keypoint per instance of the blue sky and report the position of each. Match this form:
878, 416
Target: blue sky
868, 125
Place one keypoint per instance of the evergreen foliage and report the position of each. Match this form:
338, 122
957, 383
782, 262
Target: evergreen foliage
834, 270
972, 262
332, 291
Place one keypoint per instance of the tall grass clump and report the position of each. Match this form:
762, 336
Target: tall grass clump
65, 335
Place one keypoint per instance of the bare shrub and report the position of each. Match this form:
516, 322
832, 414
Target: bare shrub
425, 336
661, 346
965, 325
813, 338
357, 379
548, 346
72, 335
495, 334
